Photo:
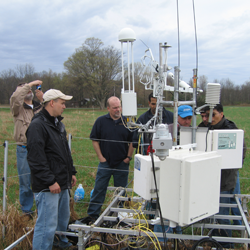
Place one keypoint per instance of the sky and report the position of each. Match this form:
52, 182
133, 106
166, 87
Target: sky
46, 33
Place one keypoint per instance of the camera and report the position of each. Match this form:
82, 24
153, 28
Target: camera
39, 87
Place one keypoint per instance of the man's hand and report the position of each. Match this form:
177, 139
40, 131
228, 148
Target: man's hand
39, 95
35, 83
55, 188
126, 160
73, 181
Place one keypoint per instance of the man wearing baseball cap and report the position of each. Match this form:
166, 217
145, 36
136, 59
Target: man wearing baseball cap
185, 114
52, 171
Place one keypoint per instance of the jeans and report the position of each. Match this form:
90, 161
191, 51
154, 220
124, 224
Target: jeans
25, 192
53, 215
235, 210
103, 175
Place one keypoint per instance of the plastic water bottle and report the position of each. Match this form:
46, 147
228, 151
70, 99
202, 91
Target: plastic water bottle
79, 193
91, 193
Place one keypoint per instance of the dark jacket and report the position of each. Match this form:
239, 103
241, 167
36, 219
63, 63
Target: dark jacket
167, 117
202, 125
228, 176
49, 155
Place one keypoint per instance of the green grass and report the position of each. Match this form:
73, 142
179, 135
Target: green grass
79, 123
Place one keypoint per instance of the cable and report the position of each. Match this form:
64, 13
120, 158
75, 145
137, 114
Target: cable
207, 240
158, 203
209, 127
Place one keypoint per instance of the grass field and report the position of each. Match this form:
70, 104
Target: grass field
78, 123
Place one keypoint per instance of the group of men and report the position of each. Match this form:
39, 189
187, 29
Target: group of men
44, 162
43, 152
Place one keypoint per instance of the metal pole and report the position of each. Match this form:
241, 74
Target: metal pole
128, 66
133, 68
5, 180
69, 141
18, 241
243, 215
160, 54
80, 240
122, 68
194, 105
176, 96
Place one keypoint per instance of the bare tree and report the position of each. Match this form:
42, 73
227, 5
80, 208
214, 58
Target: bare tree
25, 72
94, 68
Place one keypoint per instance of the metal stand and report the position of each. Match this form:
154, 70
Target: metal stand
110, 215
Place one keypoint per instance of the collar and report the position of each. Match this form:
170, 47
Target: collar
109, 117
219, 124
36, 105
52, 119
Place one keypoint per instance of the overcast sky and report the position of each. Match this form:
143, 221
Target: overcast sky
45, 33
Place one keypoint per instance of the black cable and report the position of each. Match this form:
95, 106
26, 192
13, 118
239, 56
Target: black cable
209, 127
158, 203
207, 240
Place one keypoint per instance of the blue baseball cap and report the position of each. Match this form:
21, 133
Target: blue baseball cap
184, 111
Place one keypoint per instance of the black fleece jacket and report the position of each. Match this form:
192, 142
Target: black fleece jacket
228, 176
49, 156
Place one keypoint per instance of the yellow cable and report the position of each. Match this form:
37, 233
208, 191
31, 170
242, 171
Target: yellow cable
139, 142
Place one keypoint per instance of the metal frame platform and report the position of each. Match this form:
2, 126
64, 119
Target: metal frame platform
85, 232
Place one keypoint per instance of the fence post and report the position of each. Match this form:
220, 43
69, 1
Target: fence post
5, 180
69, 141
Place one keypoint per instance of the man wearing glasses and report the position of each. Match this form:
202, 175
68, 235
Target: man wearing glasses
230, 183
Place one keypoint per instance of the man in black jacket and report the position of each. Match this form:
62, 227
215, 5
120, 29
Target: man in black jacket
204, 117
230, 183
52, 171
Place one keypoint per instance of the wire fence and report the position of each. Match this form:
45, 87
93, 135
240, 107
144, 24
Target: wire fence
5, 178
81, 166
78, 166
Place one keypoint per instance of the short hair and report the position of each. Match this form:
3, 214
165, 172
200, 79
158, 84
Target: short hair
108, 104
219, 108
150, 96
204, 109
45, 104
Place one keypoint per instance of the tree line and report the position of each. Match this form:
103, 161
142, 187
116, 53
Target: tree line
93, 74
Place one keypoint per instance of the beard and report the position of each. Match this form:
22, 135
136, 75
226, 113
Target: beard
29, 96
